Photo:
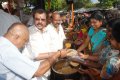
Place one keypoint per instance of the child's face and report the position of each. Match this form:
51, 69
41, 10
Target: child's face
114, 43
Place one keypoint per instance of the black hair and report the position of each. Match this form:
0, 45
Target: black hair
97, 16
14, 11
0, 6
116, 30
40, 11
110, 22
112, 14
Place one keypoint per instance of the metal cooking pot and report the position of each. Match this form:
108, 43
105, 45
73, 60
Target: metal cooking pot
61, 70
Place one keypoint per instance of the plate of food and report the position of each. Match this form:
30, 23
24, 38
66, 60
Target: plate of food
74, 64
77, 59
71, 52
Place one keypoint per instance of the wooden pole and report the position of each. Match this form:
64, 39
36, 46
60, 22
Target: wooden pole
72, 5
49, 4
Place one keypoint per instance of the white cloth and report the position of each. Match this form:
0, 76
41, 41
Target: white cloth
13, 65
57, 37
6, 20
39, 42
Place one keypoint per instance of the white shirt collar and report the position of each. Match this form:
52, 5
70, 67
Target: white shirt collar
37, 30
55, 27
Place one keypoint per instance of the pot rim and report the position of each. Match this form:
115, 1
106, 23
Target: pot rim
60, 72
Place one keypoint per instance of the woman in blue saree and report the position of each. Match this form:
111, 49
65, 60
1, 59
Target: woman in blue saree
110, 58
96, 35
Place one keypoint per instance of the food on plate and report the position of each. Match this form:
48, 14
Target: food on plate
74, 64
71, 52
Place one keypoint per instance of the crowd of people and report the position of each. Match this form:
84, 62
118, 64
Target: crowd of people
30, 51
27, 51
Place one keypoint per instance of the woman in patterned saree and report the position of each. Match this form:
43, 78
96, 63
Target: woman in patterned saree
112, 66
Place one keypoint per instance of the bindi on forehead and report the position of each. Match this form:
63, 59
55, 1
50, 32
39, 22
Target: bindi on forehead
40, 15
40, 18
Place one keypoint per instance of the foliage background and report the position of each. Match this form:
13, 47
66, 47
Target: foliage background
61, 4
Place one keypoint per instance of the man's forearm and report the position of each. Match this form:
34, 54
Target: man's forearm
42, 56
45, 65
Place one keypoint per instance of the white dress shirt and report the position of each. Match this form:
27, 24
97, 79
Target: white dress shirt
56, 37
39, 42
13, 65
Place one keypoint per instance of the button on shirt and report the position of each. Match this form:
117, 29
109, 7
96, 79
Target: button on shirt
57, 37
39, 42
13, 65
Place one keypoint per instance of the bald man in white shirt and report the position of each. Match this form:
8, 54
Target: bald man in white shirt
15, 66
56, 32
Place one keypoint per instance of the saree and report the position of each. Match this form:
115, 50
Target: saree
97, 39
110, 68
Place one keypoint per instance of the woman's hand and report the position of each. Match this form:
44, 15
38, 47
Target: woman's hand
83, 56
94, 71
82, 71
63, 53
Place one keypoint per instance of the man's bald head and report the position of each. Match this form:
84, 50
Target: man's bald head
54, 14
18, 34
17, 29
56, 19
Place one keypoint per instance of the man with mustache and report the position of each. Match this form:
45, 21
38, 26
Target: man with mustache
56, 31
39, 46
